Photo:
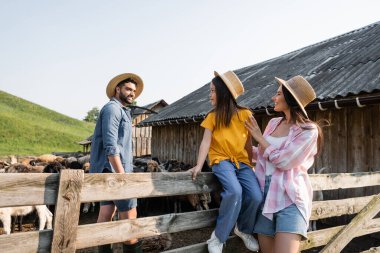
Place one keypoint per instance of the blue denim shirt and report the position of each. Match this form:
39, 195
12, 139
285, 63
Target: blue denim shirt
112, 137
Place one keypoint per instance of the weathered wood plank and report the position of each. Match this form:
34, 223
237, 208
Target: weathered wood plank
67, 211
20, 189
372, 250
344, 180
234, 244
345, 235
332, 208
139, 185
315, 239
27, 242
122, 230
25, 189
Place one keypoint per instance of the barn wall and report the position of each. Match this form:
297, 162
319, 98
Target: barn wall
142, 136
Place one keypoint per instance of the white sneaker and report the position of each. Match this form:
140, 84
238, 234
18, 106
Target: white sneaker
214, 245
249, 241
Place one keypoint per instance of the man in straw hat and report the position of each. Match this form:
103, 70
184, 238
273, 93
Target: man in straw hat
111, 150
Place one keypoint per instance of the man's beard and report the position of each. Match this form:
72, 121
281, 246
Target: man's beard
125, 99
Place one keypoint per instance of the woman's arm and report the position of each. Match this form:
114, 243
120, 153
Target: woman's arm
203, 151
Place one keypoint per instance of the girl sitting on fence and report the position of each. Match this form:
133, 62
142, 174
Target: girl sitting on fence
284, 154
229, 148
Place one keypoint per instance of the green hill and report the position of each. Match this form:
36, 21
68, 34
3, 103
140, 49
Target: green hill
29, 129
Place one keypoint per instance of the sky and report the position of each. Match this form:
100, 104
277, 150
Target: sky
62, 54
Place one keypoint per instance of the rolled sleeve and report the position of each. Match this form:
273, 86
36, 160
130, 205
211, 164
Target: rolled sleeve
110, 129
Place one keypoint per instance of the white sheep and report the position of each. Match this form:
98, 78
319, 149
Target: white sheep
44, 215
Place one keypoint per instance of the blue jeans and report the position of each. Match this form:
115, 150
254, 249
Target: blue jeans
241, 198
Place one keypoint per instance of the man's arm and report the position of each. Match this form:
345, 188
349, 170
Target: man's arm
116, 163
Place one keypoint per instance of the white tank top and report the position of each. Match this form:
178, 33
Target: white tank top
275, 142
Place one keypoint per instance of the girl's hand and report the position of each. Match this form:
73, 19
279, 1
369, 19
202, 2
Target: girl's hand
194, 171
253, 128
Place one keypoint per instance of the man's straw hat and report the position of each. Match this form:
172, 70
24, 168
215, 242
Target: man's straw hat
110, 91
300, 89
232, 82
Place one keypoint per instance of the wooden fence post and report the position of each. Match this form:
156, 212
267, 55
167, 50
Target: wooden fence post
67, 211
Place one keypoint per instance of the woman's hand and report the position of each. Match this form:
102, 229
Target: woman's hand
194, 171
253, 128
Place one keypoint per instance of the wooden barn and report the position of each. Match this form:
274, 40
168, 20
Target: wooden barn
141, 135
345, 72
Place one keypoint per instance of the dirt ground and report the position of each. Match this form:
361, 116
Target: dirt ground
181, 239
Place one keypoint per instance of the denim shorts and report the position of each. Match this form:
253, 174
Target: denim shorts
287, 220
122, 205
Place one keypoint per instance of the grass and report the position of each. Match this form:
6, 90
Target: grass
29, 129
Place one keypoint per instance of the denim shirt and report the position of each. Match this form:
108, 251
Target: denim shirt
112, 137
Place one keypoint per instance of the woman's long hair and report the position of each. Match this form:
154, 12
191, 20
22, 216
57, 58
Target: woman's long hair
226, 105
299, 118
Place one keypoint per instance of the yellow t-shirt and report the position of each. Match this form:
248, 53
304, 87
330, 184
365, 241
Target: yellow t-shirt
228, 143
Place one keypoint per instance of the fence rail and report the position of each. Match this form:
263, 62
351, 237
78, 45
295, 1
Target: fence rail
71, 187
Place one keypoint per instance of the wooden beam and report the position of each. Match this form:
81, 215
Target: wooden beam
26, 189
20, 189
372, 250
345, 235
67, 211
233, 244
333, 208
27, 242
344, 180
104, 233
315, 239
141, 185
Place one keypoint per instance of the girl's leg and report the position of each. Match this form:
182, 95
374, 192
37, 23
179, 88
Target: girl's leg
251, 199
286, 242
266, 243
230, 205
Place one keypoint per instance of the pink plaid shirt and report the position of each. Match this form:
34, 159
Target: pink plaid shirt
290, 182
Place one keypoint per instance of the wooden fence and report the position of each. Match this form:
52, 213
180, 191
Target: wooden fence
72, 187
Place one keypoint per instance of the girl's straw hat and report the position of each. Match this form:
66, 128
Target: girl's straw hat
232, 82
110, 91
300, 89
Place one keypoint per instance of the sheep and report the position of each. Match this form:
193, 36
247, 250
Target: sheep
21, 168
44, 215
46, 158
153, 166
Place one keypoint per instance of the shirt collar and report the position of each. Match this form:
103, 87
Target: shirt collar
127, 108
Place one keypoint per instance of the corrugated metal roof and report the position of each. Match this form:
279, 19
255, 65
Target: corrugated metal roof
344, 65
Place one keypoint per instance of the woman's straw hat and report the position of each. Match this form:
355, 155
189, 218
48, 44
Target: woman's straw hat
232, 82
300, 89
110, 91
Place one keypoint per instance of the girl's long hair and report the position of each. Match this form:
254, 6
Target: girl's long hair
300, 118
226, 105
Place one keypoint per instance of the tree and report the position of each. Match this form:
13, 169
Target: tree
92, 115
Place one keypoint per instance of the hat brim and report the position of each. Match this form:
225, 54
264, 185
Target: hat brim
283, 82
110, 91
230, 85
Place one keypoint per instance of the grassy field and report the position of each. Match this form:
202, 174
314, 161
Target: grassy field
29, 129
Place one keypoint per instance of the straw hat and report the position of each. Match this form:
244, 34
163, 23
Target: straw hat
232, 82
110, 91
300, 89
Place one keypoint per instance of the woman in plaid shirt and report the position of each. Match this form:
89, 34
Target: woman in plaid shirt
285, 152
